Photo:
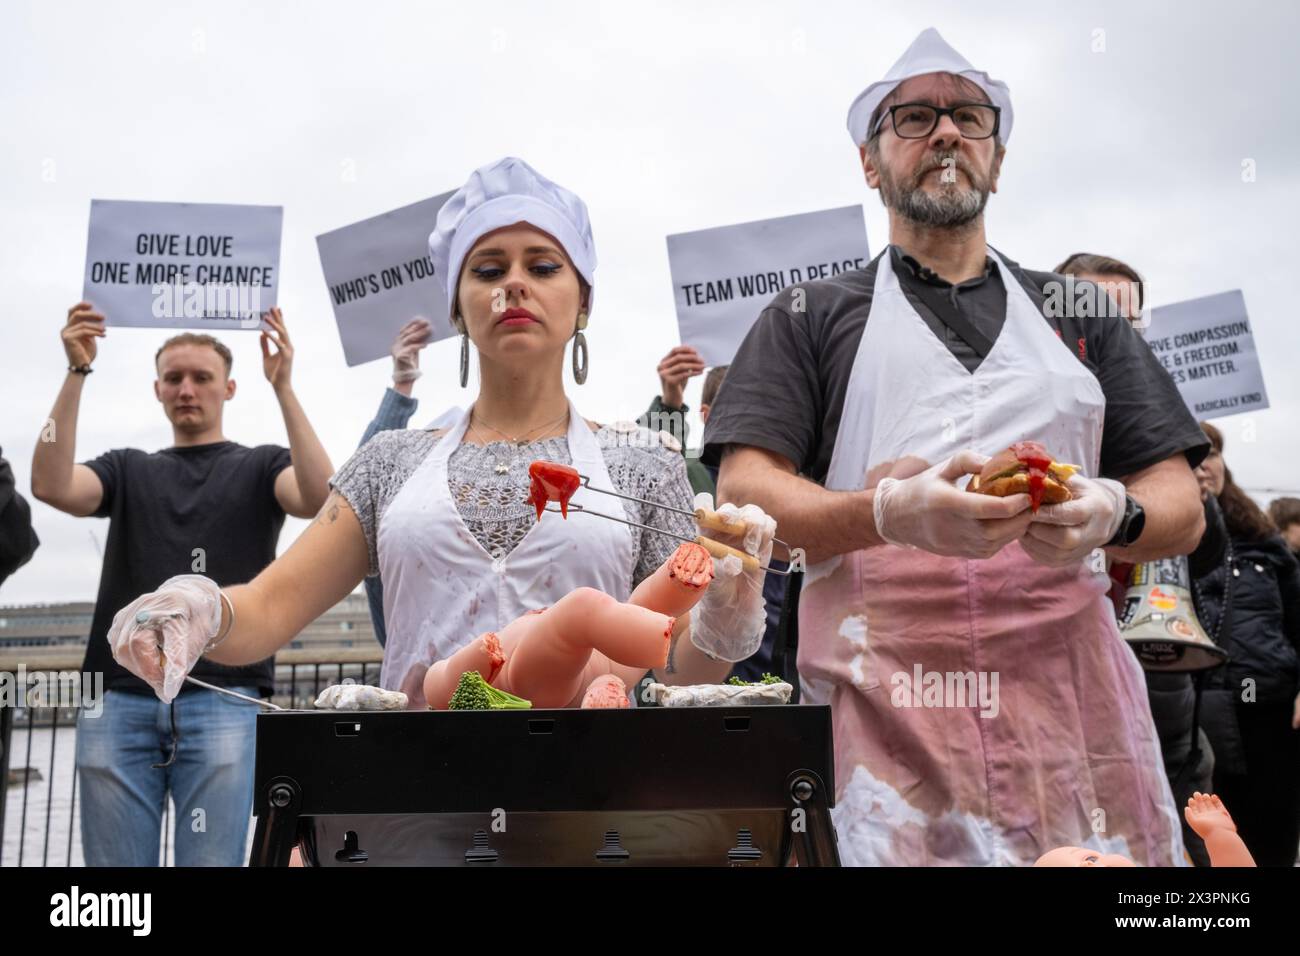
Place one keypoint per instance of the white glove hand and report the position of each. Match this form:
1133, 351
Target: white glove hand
928, 511
159, 637
406, 350
729, 621
1064, 534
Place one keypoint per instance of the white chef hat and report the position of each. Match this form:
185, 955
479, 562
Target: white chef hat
929, 53
504, 193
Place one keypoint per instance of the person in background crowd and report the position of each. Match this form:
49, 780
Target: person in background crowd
1120, 281
1250, 605
667, 411
206, 503
18, 541
1172, 696
1285, 513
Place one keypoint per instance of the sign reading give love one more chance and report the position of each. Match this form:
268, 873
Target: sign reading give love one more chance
182, 265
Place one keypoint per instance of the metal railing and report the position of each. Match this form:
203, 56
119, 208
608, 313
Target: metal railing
39, 819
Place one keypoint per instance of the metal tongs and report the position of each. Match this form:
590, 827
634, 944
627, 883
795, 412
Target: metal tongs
704, 517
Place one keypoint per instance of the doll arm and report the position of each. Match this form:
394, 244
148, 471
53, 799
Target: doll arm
1226, 848
1207, 815
678, 584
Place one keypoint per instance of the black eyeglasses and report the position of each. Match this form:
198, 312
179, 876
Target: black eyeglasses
918, 120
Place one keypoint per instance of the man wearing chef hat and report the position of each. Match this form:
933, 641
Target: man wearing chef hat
985, 708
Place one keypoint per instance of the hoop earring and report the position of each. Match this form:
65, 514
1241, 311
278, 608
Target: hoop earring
580, 345
464, 359
579, 371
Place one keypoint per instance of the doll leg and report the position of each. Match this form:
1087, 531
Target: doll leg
606, 691
678, 584
547, 662
483, 654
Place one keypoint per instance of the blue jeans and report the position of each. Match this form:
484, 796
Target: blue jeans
211, 781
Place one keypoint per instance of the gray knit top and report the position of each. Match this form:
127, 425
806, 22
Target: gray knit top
489, 484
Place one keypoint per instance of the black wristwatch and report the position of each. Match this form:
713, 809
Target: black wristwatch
1130, 526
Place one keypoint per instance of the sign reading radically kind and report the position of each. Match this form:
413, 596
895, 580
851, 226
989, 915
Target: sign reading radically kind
1208, 347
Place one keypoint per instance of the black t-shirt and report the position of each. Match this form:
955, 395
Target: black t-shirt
219, 498
785, 389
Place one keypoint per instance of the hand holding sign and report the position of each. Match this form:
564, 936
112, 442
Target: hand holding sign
414, 336
83, 327
681, 363
279, 365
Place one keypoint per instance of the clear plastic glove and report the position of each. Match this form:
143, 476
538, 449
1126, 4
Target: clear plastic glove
1064, 534
928, 511
729, 621
406, 350
159, 637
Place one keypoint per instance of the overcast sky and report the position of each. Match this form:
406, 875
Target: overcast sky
666, 118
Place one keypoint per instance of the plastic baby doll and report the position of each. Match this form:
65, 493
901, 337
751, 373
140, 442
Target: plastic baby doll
563, 655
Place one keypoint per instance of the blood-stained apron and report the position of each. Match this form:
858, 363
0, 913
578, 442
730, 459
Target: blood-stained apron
984, 711
442, 589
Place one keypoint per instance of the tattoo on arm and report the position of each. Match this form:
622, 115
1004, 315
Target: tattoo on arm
671, 666
329, 513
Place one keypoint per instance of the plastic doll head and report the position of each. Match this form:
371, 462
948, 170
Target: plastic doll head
1081, 856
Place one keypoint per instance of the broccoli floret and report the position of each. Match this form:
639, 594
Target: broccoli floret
474, 693
766, 679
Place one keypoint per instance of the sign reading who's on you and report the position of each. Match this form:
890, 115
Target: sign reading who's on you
380, 276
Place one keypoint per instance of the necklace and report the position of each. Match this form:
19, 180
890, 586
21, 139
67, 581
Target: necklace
503, 467
1232, 572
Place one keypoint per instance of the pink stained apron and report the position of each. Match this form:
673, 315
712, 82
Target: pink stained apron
1060, 748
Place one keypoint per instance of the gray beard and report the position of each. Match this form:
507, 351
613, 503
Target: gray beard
952, 208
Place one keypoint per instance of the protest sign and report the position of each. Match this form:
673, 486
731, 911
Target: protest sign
182, 265
1208, 347
724, 277
380, 277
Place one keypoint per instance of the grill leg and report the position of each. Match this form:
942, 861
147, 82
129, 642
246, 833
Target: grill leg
277, 823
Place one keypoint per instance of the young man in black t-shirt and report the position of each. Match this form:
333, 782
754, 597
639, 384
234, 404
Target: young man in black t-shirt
205, 505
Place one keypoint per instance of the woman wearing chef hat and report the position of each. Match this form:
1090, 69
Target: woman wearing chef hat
443, 515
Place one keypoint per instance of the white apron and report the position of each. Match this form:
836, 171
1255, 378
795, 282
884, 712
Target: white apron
442, 589
898, 640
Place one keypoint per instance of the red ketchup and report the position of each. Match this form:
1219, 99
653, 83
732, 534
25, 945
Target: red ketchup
1035, 457
548, 481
